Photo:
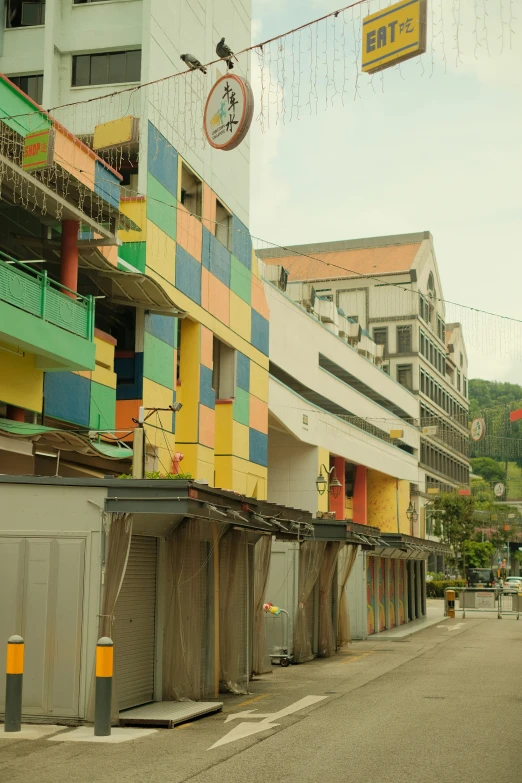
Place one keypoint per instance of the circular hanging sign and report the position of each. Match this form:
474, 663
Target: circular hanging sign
478, 430
499, 489
228, 112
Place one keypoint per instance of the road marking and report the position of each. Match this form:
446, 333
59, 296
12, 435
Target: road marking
267, 720
451, 627
246, 703
357, 657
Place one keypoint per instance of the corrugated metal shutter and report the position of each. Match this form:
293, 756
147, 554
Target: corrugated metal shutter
135, 626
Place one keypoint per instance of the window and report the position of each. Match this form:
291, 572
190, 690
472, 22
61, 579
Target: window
404, 339
191, 191
386, 368
458, 380
22, 14
223, 225
106, 68
223, 370
404, 375
31, 85
465, 386
380, 337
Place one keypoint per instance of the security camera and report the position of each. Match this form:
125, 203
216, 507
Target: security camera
177, 406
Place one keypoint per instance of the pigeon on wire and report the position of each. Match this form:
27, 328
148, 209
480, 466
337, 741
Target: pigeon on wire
226, 53
193, 63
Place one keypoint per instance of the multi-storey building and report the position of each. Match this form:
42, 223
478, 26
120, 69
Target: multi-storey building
343, 442
202, 339
391, 287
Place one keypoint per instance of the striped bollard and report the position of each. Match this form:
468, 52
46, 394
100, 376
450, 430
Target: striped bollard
103, 702
13, 684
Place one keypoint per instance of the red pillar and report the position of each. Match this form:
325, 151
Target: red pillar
360, 496
337, 504
15, 414
69, 255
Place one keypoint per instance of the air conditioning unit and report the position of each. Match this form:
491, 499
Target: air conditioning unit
325, 310
303, 293
277, 275
379, 351
353, 332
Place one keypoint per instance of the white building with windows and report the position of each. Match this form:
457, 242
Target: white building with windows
391, 287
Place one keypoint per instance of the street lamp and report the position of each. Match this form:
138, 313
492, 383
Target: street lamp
411, 514
334, 485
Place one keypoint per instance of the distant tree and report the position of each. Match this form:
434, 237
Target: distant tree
477, 554
490, 470
455, 523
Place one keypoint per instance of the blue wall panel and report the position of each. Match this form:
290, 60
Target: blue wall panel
205, 248
106, 185
241, 242
259, 332
188, 275
258, 447
68, 397
162, 160
161, 326
219, 262
129, 371
207, 395
243, 371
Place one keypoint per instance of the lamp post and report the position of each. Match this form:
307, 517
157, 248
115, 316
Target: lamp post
412, 515
334, 485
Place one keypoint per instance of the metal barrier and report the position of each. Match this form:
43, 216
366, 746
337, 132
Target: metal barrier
498, 600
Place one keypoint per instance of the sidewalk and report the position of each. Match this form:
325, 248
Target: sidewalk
434, 616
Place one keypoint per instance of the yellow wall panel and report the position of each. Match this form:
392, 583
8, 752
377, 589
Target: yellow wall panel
240, 316
21, 384
223, 443
382, 493
223, 471
136, 210
241, 440
259, 381
156, 396
161, 252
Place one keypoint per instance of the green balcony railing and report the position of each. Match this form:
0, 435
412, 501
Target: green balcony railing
30, 290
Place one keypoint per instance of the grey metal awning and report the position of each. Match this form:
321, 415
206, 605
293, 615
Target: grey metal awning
412, 544
345, 531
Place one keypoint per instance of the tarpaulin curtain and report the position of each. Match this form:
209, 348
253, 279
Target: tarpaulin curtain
188, 649
346, 564
327, 640
118, 534
310, 558
262, 552
234, 665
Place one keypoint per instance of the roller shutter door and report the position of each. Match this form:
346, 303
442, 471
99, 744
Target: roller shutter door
135, 626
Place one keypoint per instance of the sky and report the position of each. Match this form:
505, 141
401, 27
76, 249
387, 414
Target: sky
438, 151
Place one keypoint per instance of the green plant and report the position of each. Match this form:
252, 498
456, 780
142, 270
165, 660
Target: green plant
478, 555
156, 475
436, 588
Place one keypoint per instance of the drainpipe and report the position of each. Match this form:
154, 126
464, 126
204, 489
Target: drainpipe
398, 505
69, 256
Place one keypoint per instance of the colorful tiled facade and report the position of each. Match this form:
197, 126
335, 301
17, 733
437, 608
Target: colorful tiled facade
224, 439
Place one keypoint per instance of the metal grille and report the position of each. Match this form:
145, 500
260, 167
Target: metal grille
134, 637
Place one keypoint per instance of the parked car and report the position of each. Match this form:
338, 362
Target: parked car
480, 577
513, 582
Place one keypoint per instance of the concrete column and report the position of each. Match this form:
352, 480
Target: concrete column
15, 414
69, 255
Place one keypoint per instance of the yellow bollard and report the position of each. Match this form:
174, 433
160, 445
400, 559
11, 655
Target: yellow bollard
450, 598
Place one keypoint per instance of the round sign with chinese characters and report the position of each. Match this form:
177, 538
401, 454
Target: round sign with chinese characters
499, 489
478, 430
228, 112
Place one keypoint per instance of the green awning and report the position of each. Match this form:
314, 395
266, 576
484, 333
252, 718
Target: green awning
63, 440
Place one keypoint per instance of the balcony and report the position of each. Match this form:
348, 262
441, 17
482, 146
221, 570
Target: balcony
37, 316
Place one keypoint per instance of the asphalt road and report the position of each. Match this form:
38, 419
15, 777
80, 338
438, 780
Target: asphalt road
419, 710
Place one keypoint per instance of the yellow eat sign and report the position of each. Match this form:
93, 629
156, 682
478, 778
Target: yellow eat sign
393, 35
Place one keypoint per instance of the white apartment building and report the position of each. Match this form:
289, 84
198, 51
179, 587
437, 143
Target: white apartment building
391, 287
68, 51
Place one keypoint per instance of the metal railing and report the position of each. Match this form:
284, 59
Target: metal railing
500, 600
37, 294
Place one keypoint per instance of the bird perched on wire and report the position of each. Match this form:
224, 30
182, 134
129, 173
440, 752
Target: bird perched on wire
226, 53
193, 63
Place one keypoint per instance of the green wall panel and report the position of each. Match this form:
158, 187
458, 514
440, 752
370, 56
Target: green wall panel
158, 361
240, 280
134, 253
242, 406
103, 407
161, 206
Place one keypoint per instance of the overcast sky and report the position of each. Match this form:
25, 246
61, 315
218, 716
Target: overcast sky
439, 152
